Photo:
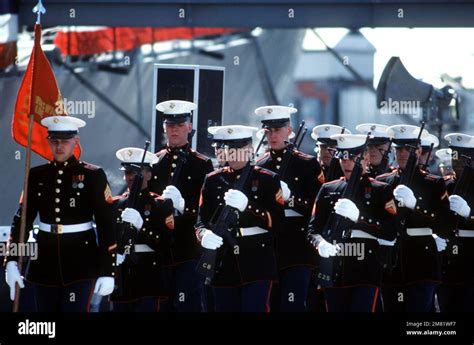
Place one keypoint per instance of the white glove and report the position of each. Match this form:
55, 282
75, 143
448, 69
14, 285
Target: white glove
132, 216
13, 276
286, 191
440, 243
236, 199
405, 196
173, 193
104, 286
347, 208
327, 249
120, 259
210, 240
386, 243
459, 205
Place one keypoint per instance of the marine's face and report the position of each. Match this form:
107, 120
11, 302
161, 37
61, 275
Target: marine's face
238, 157
347, 165
129, 176
376, 153
325, 153
276, 137
403, 153
220, 155
458, 163
177, 133
63, 149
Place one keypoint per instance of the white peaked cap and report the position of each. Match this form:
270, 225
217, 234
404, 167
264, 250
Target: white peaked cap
134, 155
275, 112
232, 132
326, 131
430, 139
405, 132
460, 140
174, 107
376, 130
444, 156
349, 141
62, 123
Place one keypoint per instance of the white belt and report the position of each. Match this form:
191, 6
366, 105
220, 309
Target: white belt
142, 248
254, 230
64, 229
362, 234
465, 233
419, 231
292, 213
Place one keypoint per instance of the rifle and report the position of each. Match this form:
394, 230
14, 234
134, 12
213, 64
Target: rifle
126, 232
211, 260
300, 139
331, 175
336, 229
384, 162
425, 165
300, 134
411, 166
261, 142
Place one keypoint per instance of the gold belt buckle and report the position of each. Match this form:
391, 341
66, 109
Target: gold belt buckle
57, 228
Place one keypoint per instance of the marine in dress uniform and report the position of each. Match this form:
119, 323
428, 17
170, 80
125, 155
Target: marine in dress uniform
248, 269
68, 195
178, 176
300, 181
423, 208
444, 162
326, 148
326, 151
456, 293
378, 146
372, 216
140, 229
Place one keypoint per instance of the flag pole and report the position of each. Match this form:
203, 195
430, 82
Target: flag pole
16, 302
38, 9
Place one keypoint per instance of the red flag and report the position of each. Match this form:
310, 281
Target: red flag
38, 95
96, 40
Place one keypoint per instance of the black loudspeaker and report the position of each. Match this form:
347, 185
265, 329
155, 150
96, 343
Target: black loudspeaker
397, 84
203, 85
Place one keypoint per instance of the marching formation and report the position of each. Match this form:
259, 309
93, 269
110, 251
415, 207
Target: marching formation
350, 229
